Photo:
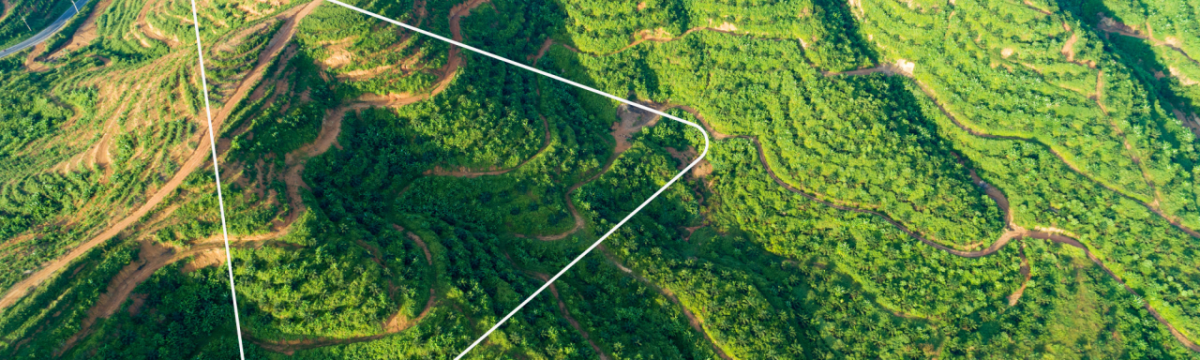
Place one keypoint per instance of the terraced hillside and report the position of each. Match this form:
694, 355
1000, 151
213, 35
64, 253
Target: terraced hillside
887, 179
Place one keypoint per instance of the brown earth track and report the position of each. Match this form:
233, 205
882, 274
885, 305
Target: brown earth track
1155, 209
332, 123
417, 239
632, 120
1025, 272
397, 321
330, 128
1068, 49
1109, 25
954, 119
1014, 232
1031, 5
541, 51
17, 240
198, 157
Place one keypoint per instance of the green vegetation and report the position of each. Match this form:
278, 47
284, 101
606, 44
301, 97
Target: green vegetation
388, 196
36, 325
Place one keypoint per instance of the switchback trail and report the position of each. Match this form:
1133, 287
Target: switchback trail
330, 129
198, 157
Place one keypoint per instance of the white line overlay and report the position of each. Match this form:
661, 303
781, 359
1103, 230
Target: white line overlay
575, 84
212, 141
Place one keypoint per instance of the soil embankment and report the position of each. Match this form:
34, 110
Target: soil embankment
88, 31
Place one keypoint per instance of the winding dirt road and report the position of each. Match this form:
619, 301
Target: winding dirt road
393, 324
330, 129
1174, 221
1111, 26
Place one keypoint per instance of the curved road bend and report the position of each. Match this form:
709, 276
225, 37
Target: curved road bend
45, 34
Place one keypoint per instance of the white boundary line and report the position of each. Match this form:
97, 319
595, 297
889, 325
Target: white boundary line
575, 84
217, 173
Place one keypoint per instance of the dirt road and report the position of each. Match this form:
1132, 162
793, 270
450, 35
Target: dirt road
1174, 221
146, 29
416, 239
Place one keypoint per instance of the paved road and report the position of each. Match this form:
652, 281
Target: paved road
44, 34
